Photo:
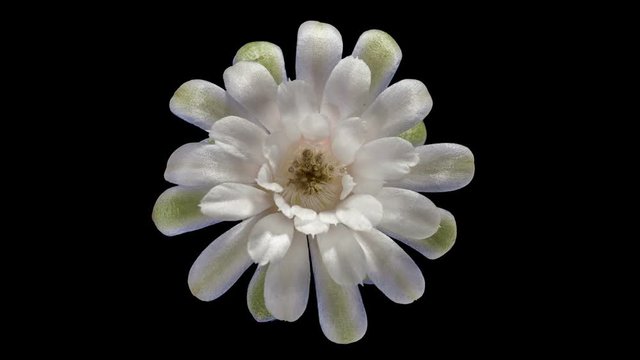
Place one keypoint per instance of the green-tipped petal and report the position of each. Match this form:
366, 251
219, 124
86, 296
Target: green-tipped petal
201, 164
342, 316
221, 263
439, 243
407, 214
382, 54
417, 135
442, 167
286, 290
176, 211
267, 54
397, 109
201, 103
390, 268
252, 85
255, 296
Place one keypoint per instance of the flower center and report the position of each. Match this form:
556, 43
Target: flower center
312, 178
309, 172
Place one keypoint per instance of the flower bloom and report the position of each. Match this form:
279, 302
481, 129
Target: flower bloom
320, 171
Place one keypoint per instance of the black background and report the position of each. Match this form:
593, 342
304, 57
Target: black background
477, 296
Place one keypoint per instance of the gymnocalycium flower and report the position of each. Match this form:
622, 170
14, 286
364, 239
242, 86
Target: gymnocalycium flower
328, 164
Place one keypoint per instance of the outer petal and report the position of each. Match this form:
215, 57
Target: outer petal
439, 243
221, 263
442, 167
361, 212
407, 214
198, 164
201, 103
239, 136
417, 135
318, 51
252, 85
269, 240
382, 54
286, 289
397, 109
347, 89
176, 211
266, 54
342, 256
342, 316
348, 137
255, 296
390, 268
231, 202
385, 159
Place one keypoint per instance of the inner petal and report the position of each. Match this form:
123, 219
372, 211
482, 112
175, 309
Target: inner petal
311, 176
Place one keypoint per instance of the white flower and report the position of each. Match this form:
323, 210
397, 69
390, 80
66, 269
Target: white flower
319, 164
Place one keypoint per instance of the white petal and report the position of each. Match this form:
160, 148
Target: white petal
286, 288
201, 103
266, 54
197, 164
328, 217
368, 186
239, 136
397, 109
347, 186
313, 226
342, 316
407, 214
255, 296
265, 179
318, 51
220, 265
347, 89
382, 54
275, 147
231, 202
361, 212
296, 100
342, 256
176, 211
314, 127
252, 85
348, 137
439, 243
385, 159
390, 268
442, 167
269, 240
303, 213
282, 205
